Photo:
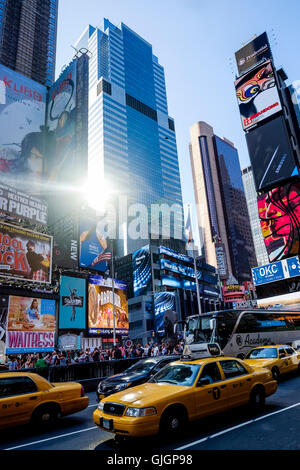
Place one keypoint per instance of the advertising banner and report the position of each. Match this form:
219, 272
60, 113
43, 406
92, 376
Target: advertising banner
21, 205
65, 233
25, 254
93, 251
72, 305
165, 313
4, 299
142, 276
22, 122
254, 52
271, 154
221, 260
61, 129
31, 325
100, 306
233, 293
277, 271
257, 95
279, 214
294, 90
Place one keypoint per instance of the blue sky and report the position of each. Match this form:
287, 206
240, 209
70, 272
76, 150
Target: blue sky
195, 41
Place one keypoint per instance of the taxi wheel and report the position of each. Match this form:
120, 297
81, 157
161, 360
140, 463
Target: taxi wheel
257, 398
275, 373
45, 415
173, 421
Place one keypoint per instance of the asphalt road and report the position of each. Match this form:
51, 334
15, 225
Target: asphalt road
276, 428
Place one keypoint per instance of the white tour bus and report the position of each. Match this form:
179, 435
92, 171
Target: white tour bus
238, 331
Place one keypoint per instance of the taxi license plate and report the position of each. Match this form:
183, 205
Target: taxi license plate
106, 423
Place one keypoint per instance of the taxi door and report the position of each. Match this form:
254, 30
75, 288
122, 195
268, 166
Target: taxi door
209, 395
284, 361
18, 398
293, 359
237, 381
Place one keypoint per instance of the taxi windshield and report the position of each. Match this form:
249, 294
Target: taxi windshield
262, 353
177, 374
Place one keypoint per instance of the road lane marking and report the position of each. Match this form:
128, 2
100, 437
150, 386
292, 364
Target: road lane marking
96, 404
236, 427
51, 438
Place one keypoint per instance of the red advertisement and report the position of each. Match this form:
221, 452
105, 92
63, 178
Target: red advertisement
25, 254
279, 213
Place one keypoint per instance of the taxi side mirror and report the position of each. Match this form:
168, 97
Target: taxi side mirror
204, 381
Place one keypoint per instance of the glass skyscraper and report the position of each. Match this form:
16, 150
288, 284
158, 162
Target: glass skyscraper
132, 140
222, 211
28, 30
251, 198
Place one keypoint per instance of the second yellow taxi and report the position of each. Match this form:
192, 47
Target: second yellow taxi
279, 359
28, 397
183, 391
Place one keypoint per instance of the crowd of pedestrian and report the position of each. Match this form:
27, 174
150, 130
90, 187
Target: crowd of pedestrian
63, 358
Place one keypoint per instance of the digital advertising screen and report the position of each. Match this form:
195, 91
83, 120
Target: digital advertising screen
65, 233
277, 271
257, 95
22, 123
279, 214
142, 276
253, 52
25, 254
165, 313
61, 129
271, 154
100, 306
30, 325
72, 303
93, 247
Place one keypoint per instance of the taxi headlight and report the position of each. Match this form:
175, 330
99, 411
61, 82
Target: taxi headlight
101, 406
122, 386
139, 412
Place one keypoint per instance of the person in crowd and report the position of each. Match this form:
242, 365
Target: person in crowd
40, 361
155, 351
13, 363
96, 355
117, 353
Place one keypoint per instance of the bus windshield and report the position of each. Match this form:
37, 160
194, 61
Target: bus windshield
198, 330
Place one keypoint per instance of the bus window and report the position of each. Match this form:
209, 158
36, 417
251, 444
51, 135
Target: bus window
262, 322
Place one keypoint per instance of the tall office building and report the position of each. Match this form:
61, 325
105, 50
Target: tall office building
221, 205
251, 198
132, 140
28, 30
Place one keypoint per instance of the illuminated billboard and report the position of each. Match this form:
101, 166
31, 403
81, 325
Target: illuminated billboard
100, 306
142, 277
164, 313
72, 305
61, 128
253, 52
30, 325
25, 254
257, 95
277, 271
93, 247
271, 154
279, 214
22, 122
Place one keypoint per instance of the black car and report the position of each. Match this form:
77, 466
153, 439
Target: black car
136, 374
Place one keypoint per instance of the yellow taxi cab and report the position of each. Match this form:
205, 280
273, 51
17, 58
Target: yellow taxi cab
279, 358
184, 391
28, 397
